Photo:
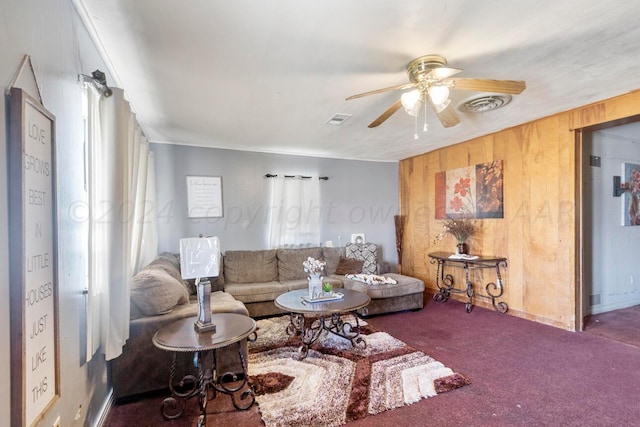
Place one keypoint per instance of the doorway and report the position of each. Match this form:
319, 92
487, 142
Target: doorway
610, 276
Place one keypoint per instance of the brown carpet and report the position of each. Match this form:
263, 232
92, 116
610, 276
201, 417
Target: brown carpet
337, 383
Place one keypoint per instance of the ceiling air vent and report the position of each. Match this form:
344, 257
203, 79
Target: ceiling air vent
484, 103
338, 119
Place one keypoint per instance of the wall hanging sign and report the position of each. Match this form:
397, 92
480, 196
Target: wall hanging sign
631, 197
33, 260
470, 192
204, 196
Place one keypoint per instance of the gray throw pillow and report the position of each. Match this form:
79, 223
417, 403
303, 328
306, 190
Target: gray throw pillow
155, 292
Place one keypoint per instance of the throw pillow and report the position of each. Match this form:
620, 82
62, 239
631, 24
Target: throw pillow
367, 252
155, 292
349, 266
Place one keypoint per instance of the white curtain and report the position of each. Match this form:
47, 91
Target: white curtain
294, 214
122, 232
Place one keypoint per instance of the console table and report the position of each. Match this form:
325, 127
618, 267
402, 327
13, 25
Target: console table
445, 284
180, 337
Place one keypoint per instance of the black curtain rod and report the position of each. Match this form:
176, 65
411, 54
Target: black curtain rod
324, 178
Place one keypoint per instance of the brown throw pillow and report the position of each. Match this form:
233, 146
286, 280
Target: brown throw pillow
349, 266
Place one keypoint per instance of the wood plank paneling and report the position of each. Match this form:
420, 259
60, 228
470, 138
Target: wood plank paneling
538, 233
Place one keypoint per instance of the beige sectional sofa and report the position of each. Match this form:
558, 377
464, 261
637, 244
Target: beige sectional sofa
257, 278
248, 283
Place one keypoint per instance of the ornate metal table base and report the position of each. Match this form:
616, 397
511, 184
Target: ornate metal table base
445, 283
206, 386
333, 324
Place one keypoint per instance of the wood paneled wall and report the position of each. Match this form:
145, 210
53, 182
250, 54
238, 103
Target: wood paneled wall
539, 233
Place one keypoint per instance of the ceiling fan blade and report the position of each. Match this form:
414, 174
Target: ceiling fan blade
386, 89
488, 85
388, 113
442, 73
447, 116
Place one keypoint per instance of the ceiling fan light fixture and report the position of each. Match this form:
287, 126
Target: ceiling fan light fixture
438, 94
410, 99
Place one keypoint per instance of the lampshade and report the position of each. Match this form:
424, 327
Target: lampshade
438, 94
199, 257
411, 102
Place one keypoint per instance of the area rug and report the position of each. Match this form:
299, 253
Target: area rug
337, 383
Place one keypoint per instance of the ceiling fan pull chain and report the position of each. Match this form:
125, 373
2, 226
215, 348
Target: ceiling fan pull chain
426, 126
415, 131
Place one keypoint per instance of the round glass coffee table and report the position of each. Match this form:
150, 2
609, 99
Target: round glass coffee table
309, 318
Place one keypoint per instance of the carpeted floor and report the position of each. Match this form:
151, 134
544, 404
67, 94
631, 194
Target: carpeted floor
523, 374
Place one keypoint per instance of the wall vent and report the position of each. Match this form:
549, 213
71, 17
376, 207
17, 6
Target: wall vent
338, 119
594, 161
594, 300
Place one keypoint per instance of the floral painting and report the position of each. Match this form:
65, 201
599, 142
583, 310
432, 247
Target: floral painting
630, 202
470, 192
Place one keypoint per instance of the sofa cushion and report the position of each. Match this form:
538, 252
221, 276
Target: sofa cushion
255, 292
250, 266
405, 285
290, 262
154, 291
331, 256
367, 252
349, 266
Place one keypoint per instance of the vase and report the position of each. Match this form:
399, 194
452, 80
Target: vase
315, 285
461, 248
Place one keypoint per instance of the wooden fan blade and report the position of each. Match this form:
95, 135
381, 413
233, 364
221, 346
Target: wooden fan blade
386, 89
388, 113
442, 73
448, 117
487, 85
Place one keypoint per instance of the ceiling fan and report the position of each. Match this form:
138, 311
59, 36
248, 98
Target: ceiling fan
431, 81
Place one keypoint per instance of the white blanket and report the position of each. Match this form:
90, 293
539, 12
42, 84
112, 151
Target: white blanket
371, 279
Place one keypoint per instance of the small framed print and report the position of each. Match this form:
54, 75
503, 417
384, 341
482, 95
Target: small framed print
204, 196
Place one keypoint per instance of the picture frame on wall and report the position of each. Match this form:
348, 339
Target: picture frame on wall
470, 192
35, 353
204, 197
631, 197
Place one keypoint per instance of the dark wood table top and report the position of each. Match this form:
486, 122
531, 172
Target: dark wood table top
180, 336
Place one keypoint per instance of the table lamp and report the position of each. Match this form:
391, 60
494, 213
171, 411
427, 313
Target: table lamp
200, 259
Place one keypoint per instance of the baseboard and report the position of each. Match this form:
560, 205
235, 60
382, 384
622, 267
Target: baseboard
104, 411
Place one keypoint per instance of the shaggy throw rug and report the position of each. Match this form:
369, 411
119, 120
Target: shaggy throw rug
336, 382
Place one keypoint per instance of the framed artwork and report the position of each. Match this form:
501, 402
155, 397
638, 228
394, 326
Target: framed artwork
204, 196
35, 354
470, 192
630, 198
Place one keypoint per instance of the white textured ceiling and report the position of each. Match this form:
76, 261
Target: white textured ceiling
267, 75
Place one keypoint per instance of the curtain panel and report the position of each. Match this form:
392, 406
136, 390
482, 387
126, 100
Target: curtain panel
294, 214
122, 233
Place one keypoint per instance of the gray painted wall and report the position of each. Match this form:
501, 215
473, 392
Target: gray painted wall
359, 197
612, 271
51, 32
